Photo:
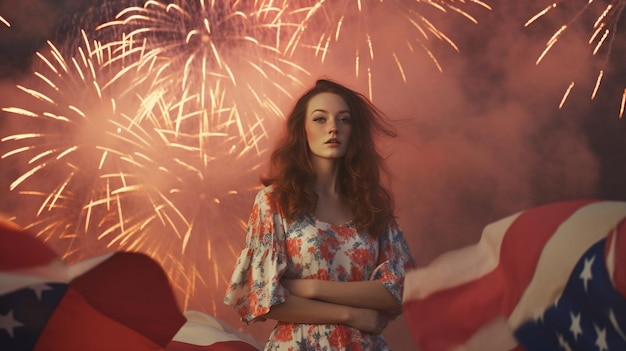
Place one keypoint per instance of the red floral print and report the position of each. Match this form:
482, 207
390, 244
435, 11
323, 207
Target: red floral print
311, 249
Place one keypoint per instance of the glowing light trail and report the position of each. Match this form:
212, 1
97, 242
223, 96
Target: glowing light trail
602, 38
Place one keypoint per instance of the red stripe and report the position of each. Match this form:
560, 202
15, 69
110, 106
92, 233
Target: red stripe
19, 250
448, 318
76, 326
218, 346
132, 289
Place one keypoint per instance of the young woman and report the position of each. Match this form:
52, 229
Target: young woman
324, 255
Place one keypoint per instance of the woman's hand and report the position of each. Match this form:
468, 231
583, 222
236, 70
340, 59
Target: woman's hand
367, 320
364, 319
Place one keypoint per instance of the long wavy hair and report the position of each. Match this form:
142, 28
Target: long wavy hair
292, 174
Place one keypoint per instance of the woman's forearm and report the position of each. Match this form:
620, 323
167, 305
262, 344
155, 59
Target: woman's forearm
367, 294
297, 309
370, 294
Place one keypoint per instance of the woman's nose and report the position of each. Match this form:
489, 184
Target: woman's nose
332, 127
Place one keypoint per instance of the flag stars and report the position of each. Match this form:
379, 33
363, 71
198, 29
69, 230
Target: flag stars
39, 289
575, 326
586, 274
563, 343
539, 317
601, 339
615, 324
8, 323
556, 302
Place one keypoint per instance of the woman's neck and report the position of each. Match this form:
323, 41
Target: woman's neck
327, 172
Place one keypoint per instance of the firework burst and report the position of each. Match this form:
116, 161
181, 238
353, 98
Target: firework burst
326, 26
77, 131
141, 142
222, 52
601, 40
198, 194
116, 166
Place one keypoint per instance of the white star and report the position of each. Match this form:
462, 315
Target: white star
539, 317
8, 323
613, 320
563, 343
586, 275
39, 289
575, 326
601, 339
556, 302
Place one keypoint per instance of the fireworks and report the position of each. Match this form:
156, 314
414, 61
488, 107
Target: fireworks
5, 22
369, 29
601, 39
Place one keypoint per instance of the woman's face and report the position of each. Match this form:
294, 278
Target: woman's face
328, 126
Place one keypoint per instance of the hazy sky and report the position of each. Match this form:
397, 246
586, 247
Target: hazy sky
477, 142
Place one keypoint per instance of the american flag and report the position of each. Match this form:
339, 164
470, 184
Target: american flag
117, 301
552, 277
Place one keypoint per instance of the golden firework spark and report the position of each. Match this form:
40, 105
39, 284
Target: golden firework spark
5, 22
601, 39
325, 26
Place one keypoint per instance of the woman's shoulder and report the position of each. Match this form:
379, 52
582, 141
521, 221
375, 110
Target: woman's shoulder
265, 196
265, 191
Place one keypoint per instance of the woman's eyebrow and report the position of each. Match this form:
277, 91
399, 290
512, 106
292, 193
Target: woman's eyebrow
338, 112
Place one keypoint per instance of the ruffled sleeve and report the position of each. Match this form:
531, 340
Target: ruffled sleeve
255, 283
394, 260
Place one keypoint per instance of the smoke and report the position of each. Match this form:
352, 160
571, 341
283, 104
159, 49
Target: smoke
478, 141
487, 138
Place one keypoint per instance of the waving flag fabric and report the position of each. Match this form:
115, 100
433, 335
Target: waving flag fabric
203, 332
552, 277
118, 301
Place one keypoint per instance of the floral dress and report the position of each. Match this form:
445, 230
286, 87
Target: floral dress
310, 248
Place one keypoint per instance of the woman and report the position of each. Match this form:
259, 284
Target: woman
324, 254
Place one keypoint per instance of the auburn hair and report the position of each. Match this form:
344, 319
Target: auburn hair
292, 174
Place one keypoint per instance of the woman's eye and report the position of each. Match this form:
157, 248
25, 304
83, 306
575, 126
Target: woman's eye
319, 119
345, 120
